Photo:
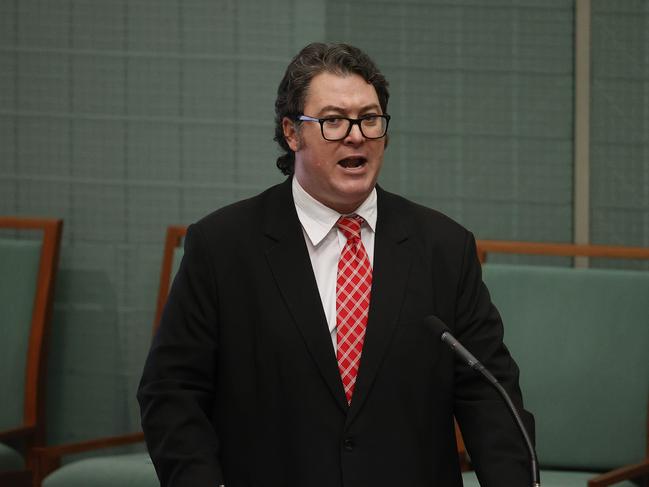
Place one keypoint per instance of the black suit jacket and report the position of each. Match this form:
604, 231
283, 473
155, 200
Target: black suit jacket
241, 385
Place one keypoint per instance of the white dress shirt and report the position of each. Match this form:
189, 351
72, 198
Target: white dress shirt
325, 243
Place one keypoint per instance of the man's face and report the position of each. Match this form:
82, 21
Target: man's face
339, 174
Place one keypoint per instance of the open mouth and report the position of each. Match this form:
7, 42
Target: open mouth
352, 162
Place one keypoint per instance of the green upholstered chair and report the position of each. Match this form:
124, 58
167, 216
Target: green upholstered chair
106, 469
29, 251
581, 338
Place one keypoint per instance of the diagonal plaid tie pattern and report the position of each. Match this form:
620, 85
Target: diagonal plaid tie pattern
353, 287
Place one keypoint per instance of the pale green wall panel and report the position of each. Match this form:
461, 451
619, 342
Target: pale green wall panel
98, 150
7, 79
202, 146
99, 25
7, 148
8, 202
42, 23
153, 152
149, 210
264, 29
152, 86
44, 197
208, 86
98, 84
44, 147
620, 124
194, 200
308, 22
209, 27
153, 26
8, 15
97, 212
44, 81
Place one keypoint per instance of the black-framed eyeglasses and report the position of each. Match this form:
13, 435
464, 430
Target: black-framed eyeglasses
337, 128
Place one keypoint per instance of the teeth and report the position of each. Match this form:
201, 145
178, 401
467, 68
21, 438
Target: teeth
356, 162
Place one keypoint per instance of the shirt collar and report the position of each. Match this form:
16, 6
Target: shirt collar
318, 219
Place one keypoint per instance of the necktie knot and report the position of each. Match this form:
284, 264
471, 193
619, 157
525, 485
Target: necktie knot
350, 226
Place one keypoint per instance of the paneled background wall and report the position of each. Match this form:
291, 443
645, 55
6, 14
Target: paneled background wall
620, 123
482, 104
125, 116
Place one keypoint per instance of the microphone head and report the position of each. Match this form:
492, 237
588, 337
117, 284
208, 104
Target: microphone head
436, 326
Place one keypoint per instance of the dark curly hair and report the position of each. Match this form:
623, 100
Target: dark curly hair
309, 62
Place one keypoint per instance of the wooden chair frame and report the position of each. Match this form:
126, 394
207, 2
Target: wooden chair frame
47, 459
32, 430
558, 249
486, 247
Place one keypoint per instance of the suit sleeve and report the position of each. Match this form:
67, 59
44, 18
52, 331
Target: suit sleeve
496, 447
177, 389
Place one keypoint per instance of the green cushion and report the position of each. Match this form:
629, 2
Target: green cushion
19, 261
581, 339
551, 478
175, 265
10, 459
130, 470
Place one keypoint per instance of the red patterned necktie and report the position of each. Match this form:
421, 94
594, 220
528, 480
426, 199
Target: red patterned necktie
353, 286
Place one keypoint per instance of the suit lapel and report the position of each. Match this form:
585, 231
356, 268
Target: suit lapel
391, 268
290, 264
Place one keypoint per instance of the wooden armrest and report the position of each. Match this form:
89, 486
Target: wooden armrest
623, 473
12, 434
559, 249
47, 459
463, 456
84, 446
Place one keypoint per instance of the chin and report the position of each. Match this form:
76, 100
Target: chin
352, 199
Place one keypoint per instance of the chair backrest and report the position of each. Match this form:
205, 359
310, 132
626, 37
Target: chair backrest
581, 339
28, 265
172, 255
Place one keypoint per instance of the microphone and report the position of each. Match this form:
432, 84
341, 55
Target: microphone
439, 329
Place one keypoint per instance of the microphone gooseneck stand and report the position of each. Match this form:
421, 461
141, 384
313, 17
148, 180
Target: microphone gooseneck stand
439, 328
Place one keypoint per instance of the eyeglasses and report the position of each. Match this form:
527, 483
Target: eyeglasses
337, 128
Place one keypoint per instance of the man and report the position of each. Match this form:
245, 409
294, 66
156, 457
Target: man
292, 351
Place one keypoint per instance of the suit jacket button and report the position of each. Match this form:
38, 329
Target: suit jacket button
348, 444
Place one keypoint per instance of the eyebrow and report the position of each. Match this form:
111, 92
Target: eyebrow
333, 108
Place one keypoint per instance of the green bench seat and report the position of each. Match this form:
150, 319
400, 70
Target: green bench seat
581, 339
128, 470
10, 459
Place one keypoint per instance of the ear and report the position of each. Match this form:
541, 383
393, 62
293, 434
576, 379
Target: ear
290, 133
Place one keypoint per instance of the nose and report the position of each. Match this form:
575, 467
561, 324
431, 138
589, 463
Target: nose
355, 136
